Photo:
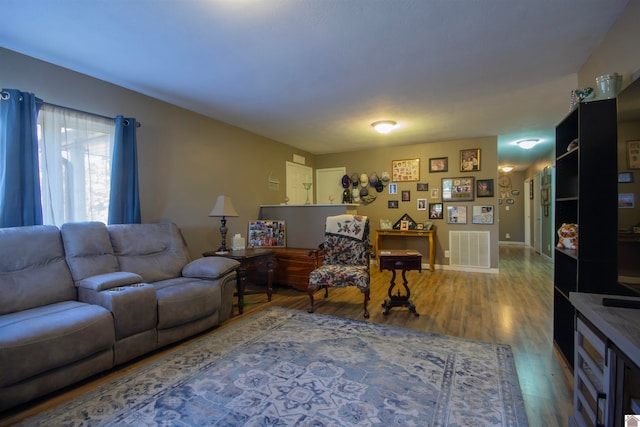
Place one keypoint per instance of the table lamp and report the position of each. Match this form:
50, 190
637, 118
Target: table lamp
223, 208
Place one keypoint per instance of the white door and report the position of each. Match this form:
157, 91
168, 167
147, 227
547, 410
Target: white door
537, 213
298, 174
329, 185
527, 212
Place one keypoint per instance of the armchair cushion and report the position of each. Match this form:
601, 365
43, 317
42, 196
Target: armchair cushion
339, 276
209, 267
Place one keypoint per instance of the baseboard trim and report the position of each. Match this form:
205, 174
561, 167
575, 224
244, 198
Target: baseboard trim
510, 243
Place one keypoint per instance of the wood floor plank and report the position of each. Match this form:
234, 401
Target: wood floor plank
512, 307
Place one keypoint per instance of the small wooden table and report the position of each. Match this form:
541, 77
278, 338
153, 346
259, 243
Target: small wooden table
399, 259
253, 263
431, 234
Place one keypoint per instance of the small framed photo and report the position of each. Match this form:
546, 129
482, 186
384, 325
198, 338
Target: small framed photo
625, 177
405, 170
435, 211
435, 193
439, 164
422, 204
482, 215
393, 188
457, 214
267, 233
392, 204
422, 186
633, 154
419, 226
406, 195
458, 189
470, 160
385, 224
484, 187
428, 225
404, 225
626, 200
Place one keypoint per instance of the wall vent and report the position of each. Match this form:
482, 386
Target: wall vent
470, 249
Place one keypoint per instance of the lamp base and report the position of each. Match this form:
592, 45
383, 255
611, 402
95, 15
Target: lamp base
221, 252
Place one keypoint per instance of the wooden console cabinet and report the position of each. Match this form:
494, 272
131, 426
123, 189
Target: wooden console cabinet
293, 266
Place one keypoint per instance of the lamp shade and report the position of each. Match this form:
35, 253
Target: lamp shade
223, 207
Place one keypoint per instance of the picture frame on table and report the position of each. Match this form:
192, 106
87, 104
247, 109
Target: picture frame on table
405, 170
470, 160
267, 233
438, 164
458, 189
386, 224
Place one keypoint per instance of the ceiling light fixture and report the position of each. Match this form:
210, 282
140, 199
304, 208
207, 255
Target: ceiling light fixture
528, 143
507, 168
384, 126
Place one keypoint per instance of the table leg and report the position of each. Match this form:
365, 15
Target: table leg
398, 300
270, 268
241, 280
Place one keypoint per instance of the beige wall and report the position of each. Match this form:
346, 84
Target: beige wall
379, 160
512, 215
186, 160
619, 51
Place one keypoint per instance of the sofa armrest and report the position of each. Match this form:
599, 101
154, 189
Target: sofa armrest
210, 267
106, 281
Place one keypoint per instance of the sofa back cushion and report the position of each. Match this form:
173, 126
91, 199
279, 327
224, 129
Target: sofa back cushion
88, 249
33, 270
154, 251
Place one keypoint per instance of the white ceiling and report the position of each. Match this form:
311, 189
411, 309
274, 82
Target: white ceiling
315, 73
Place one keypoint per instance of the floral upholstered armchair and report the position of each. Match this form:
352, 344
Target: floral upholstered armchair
345, 257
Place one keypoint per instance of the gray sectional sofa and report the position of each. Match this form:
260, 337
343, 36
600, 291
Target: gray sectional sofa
80, 299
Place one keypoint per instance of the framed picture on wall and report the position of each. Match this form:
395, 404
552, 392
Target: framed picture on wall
458, 189
482, 215
470, 160
435, 211
633, 154
457, 214
405, 170
439, 164
484, 187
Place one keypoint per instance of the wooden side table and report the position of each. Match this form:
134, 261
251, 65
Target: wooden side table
399, 259
430, 234
253, 264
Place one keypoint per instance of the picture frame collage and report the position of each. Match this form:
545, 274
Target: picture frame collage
442, 203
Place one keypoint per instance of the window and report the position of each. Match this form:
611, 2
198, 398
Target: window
75, 155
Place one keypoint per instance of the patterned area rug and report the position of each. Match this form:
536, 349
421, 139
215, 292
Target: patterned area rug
283, 367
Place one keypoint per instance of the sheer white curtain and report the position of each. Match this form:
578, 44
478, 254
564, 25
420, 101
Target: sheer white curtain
75, 152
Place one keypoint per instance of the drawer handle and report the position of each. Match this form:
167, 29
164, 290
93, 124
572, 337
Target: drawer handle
399, 263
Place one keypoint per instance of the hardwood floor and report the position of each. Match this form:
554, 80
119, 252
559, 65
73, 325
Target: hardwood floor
513, 307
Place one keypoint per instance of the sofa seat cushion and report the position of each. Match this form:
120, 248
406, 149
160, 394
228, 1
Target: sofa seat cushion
184, 300
39, 339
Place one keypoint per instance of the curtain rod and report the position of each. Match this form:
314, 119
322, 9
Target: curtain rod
138, 124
